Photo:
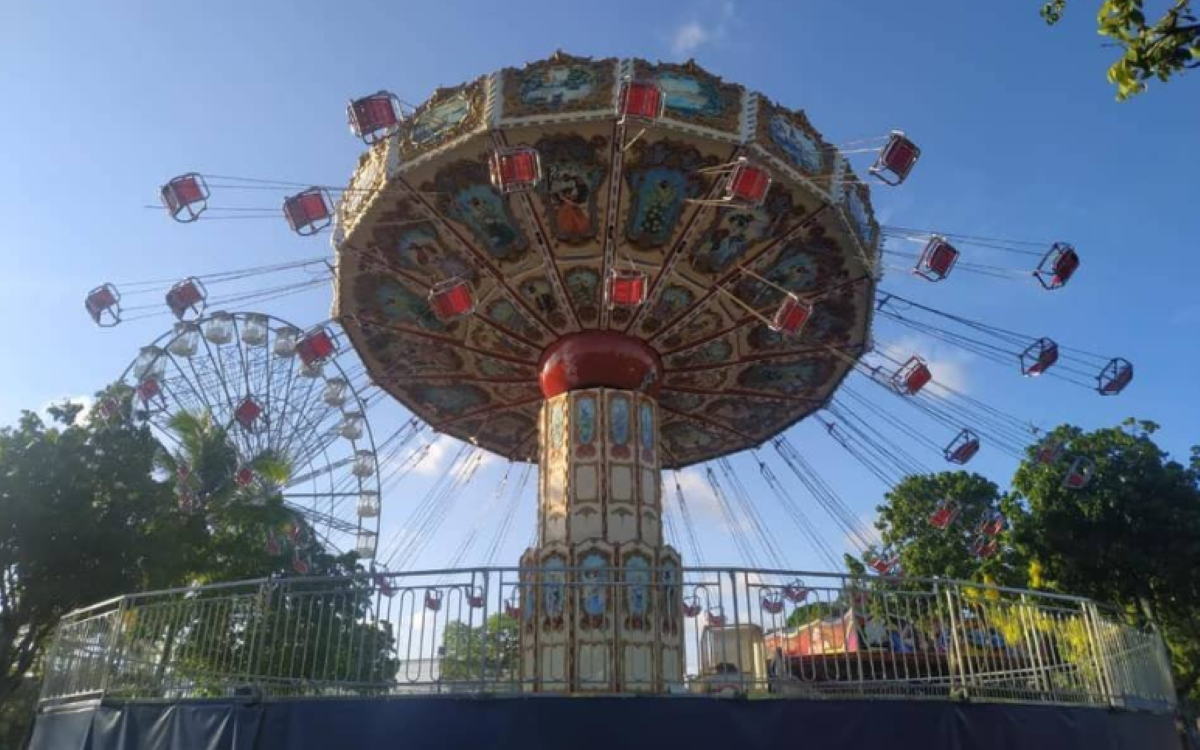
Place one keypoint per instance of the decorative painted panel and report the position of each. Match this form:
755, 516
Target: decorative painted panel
561, 85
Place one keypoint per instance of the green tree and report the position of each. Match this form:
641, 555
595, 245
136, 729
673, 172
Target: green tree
1130, 537
82, 518
490, 652
927, 551
326, 617
1150, 48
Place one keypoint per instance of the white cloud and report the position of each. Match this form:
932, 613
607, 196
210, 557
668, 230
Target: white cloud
948, 365
697, 493
868, 533
694, 32
435, 459
689, 37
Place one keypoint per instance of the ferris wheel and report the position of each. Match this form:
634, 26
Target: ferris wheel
277, 391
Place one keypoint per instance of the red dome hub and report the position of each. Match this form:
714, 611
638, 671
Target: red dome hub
599, 359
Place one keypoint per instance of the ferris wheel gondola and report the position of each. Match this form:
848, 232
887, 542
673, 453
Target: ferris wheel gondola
276, 393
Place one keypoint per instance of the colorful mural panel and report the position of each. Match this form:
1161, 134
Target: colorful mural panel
464, 192
662, 176
572, 176
559, 85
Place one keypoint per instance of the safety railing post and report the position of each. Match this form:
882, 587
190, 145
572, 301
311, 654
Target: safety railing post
113, 648
1104, 679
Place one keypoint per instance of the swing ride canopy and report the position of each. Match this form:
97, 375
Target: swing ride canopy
619, 189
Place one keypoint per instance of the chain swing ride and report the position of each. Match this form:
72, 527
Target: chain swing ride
607, 266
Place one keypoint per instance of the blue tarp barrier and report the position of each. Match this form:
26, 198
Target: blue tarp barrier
555, 723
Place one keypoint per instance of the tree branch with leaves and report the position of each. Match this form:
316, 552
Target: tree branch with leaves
1158, 49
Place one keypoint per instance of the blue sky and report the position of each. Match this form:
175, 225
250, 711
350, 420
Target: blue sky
1021, 138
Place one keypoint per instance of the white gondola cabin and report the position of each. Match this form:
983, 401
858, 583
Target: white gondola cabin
186, 342
351, 426
254, 329
364, 464
286, 338
218, 329
335, 392
364, 544
368, 504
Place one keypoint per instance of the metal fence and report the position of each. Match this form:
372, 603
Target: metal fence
750, 632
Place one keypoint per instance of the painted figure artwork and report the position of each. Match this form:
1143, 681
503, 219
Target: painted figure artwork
694, 96
583, 287
585, 426
696, 327
408, 357
792, 378
594, 592
668, 576
673, 300
686, 436
557, 85
465, 193
448, 400
734, 230
508, 316
416, 249
619, 426
861, 214
637, 591
646, 427
558, 424
803, 150
663, 178
402, 305
718, 350
574, 174
435, 122
690, 94
553, 589
538, 292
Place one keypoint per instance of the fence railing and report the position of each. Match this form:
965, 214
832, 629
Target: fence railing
755, 632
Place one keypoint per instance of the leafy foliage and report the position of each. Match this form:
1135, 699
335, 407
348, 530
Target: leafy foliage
927, 551
490, 652
81, 519
1158, 49
1131, 537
